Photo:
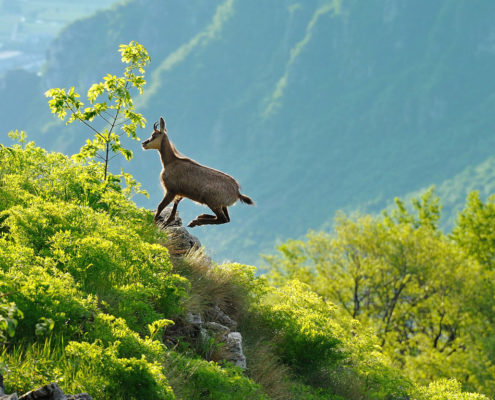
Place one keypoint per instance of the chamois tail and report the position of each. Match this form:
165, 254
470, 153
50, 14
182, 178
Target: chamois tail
246, 200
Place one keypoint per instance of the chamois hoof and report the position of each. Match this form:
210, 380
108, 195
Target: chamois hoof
192, 224
168, 222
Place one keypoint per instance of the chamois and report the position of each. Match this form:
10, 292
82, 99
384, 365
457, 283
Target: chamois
182, 177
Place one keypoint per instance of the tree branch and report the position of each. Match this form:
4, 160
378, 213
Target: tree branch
84, 122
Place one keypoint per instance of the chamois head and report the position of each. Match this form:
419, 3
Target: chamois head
155, 140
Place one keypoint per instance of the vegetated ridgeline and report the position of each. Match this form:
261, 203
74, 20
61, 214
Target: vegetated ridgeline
182, 177
215, 323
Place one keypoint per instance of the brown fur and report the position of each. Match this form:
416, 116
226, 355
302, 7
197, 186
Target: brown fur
182, 177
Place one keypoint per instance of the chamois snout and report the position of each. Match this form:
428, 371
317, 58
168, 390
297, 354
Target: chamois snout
145, 144
154, 141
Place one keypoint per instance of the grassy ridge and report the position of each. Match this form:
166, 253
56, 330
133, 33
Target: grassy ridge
90, 297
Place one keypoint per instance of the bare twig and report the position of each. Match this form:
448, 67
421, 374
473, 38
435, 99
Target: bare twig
85, 122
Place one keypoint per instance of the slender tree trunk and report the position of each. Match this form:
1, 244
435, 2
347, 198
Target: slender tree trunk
107, 150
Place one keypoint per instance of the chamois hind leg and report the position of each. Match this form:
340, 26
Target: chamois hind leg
206, 216
164, 203
171, 217
226, 212
220, 218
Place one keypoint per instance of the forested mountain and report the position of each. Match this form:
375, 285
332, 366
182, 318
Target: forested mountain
313, 106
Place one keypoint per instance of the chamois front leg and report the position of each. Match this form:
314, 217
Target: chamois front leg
171, 217
164, 203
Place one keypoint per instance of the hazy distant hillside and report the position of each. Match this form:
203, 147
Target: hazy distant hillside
27, 27
313, 106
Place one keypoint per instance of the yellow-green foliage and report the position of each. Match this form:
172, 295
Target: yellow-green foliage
427, 300
87, 291
305, 325
107, 374
445, 390
198, 379
86, 285
327, 346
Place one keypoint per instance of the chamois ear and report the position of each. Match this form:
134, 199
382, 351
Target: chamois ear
163, 127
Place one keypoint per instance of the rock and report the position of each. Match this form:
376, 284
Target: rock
179, 241
80, 396
48, 392
218, 324
12, 396
194, 319
233, 342
216, 314
234, 347
217, 329
164, 216
2, 388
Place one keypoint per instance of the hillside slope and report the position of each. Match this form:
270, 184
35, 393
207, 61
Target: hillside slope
313, 106
91, 296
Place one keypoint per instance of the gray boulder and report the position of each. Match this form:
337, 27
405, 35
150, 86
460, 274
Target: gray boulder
12, 396
179, 241
47, 392
235, 353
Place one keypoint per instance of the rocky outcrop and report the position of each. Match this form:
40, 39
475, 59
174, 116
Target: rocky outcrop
179, 241
232, 349
215, 323
9, 397
47, 392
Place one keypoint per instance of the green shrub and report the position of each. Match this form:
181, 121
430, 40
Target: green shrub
326, 347
105, 255
9, 315
299, 391
102, 372
303, 327
28, 366
42, 292
198, 379
109, 330
445, 389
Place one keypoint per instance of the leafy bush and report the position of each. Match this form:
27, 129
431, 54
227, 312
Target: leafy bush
103, 373
430, 303
9, 314
199, 379
326, 347
42, 291
304, 326
445, 390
